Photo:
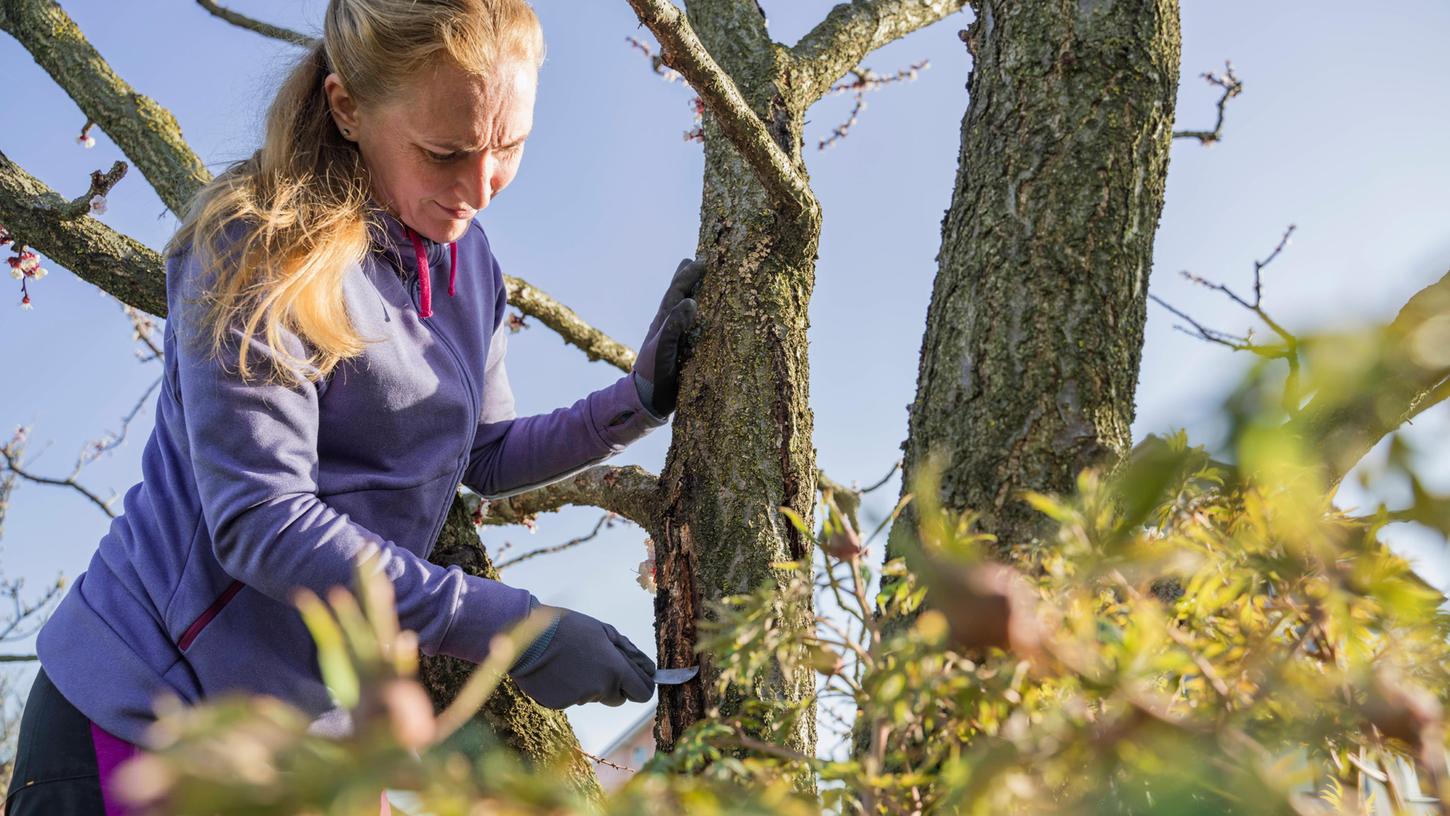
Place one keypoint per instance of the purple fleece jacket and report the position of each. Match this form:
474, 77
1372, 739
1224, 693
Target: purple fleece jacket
249, 490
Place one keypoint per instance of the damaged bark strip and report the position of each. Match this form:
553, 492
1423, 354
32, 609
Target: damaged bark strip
1034, 334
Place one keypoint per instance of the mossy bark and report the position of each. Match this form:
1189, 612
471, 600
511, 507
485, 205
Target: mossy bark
1034, 333
742, 433
540, 735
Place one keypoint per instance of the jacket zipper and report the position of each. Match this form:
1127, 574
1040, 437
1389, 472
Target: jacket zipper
415, 292
210, 613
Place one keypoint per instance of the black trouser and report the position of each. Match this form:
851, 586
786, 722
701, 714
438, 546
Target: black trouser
56, 773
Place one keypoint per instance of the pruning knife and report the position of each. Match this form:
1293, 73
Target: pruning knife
674, 677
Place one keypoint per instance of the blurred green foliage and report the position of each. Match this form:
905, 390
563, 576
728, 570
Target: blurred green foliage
1202, 635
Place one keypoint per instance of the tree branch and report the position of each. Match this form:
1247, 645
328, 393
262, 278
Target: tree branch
682, 50
38, 217
629, 491
595, 344
851, 31
265, 29
145, 131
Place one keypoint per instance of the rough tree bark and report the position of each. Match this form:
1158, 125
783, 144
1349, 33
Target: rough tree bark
742, 441
1035, 328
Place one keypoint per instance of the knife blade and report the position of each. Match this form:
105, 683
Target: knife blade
674, 677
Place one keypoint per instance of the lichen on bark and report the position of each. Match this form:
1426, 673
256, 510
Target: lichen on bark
1034, 333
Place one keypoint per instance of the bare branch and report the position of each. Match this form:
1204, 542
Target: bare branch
10, 451
1232, 341
1232, 86
1287, 351
603, 761
605, 520
14, 627
683, 51
879, 483
851, 31
265, 29
142, 326
93, 449
627, 491
595, 344
145, 131
865, 80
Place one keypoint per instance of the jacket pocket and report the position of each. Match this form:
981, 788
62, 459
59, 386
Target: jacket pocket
208, 615
251, 643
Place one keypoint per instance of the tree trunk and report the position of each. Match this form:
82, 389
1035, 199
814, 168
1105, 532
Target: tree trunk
540, 735
742, 433
1035, 329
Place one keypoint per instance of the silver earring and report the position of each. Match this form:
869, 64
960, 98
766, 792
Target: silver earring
346, 132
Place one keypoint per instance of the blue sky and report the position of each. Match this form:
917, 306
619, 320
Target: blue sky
1341, 130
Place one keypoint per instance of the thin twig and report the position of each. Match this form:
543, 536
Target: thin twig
11, 462
1232, 86
866, 80
250, 24
607, 520
602, 761
96, 447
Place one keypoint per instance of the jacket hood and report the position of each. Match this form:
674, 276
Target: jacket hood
412, 253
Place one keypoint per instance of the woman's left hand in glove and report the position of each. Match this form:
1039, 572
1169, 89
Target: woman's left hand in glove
657, 368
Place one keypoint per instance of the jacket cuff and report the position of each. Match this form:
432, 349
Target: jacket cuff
619, 416
485, 608
536, 649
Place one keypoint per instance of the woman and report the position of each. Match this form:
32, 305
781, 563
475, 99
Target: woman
327, 389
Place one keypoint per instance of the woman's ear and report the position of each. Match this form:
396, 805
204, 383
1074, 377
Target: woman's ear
343, 106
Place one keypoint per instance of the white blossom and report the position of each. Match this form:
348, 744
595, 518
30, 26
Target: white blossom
646, 568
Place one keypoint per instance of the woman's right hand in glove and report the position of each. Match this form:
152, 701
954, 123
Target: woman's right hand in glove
584, 660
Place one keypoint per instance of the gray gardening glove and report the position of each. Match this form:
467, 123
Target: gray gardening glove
657, 368
583, 660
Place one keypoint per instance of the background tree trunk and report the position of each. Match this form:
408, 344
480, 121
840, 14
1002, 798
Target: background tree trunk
1035, 329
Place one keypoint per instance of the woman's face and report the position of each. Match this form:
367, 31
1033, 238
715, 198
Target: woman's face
445, 145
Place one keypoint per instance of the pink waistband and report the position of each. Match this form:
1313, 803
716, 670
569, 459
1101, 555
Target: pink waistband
111, 751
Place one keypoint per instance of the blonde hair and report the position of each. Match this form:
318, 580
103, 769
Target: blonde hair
293, 216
